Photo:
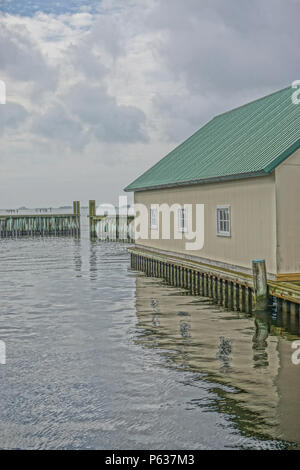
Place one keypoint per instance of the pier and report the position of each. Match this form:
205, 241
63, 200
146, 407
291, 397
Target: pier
229, 289
110, 227
41, 224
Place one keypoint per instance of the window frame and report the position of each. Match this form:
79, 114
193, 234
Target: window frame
153, 226
221, 232
182, 228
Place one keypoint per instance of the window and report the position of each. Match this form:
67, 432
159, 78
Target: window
153, 218
223, 221
182, 220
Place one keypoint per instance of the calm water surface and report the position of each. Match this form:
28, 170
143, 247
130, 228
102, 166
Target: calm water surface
102, 357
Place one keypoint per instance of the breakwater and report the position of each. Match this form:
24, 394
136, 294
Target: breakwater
41, 224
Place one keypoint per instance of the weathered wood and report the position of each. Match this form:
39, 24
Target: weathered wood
224, 293
209, 285
294, 309
241, 298
92, 208
219, 291
235, 296
285, 307
231, 292
194, 282
230, 295
201, 284
41, 225
260, 284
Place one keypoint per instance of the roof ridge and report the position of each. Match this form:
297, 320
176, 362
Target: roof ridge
253, 101
247, 140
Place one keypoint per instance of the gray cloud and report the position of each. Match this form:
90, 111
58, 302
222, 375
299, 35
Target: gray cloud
86, 60
56, 125
178, 63
107, 121
22, 60
225, 53
11, 116
229, 45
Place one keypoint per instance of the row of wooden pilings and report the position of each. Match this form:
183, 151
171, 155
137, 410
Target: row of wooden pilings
287, 306
110, 227
230, 294
41, 225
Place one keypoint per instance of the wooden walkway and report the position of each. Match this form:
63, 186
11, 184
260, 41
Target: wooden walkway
17, 225
231, 289
287, 293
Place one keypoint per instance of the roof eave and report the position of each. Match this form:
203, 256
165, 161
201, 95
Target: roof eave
282, 157
215, 179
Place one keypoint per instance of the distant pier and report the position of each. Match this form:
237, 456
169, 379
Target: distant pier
110, 227
41, 224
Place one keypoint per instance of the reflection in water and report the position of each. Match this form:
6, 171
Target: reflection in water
77, 255
93, 260
224, 354
262, 323
247, 358
99, 356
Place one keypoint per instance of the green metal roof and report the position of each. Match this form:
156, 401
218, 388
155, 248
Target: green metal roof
251, 140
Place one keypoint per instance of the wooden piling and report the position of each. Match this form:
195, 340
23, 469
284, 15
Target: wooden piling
224, 293
230, 295
92, 214
231, 291
241, 298
260, 284
39, 225
219, 291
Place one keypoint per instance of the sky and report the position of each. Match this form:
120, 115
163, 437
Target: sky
99, 91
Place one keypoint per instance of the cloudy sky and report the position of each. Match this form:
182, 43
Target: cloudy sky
98, 91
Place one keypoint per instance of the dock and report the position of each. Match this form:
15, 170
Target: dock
41, 224
230, 289
110, 227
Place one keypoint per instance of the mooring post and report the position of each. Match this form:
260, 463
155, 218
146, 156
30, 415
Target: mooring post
76, 213
92, 213
260, 284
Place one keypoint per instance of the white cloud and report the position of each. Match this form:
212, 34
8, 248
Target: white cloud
21, 59
104, 95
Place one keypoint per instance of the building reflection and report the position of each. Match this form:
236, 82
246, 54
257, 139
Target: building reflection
246, 359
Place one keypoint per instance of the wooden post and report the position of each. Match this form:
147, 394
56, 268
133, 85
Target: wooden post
194, 284
235, 296
224, 293
241, 298
201, 284
76, 213
92, 213
230, 294
293, 308
260, 284
208, 285
285, 307
247, 299
219, 291
74, 207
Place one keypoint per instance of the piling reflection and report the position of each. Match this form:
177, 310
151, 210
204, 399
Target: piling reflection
262, 322
77, 256
247, 359
93, 261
